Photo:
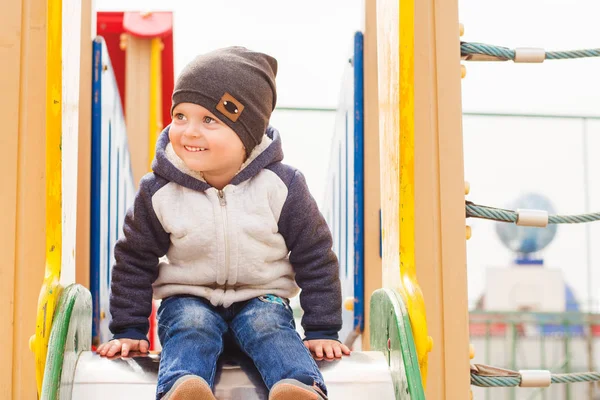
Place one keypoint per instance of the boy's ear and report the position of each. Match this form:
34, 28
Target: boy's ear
230, 107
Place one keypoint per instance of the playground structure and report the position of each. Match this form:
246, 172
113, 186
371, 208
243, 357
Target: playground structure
423, 256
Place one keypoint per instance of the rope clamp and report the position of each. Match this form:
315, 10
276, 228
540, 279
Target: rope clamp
529, 55
536, 218
535, 378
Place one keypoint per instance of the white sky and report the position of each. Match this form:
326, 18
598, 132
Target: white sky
503, 157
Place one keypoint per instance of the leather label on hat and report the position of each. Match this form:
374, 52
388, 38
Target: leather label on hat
230, 107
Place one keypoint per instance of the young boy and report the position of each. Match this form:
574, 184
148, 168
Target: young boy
240, 232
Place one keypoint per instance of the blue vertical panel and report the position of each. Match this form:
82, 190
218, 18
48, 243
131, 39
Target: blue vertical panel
359, 186
344, 202
112, 185
96, 180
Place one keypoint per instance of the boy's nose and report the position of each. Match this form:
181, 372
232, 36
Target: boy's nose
192, 132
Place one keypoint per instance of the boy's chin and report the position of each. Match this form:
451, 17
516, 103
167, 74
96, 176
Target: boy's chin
196, 166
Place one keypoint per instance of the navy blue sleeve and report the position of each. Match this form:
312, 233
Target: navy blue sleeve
315, 335
137, 255
309, 240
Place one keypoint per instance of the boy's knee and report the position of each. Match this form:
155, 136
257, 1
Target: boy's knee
186, 313
267, 316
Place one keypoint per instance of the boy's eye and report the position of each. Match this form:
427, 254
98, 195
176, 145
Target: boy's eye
180, 116
208, 120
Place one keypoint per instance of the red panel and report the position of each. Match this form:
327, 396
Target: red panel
148, 25
110, 26
168, 76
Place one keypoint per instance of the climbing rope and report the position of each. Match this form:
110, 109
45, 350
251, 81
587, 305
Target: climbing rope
487, 52
486, 376
520, 217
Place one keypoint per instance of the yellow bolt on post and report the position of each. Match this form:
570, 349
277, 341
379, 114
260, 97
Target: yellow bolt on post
463, 69
471, 356
349, 303
468, 232
123, 41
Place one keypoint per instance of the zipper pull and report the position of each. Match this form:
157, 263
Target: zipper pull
222, 198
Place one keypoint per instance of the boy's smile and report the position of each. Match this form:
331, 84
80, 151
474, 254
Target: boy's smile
194, 149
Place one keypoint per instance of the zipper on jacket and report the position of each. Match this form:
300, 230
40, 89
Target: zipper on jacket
223, 203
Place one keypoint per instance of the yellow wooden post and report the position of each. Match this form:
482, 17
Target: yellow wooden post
51, 286
22, 238
395, 46
372, 257
62, 98
155, 105
423, 181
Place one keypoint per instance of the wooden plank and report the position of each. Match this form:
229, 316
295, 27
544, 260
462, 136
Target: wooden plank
137, 93
31, 237
71, 67
389, 126
372, 204
452, 199
427, 191
440, 231
11, 34
82, 260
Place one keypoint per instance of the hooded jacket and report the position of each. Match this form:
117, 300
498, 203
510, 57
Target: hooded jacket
261, 234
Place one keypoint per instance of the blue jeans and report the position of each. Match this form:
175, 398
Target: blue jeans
193, 333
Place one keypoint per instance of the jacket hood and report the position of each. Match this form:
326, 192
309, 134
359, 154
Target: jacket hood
168, 165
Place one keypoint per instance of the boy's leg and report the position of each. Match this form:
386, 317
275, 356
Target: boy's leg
265, 330
191, 335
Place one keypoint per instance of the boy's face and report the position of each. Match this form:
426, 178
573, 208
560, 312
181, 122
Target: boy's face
203, 142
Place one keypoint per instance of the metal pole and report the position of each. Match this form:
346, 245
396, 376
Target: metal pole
513, 355
487, 349
543, 353
567, 348
588, 252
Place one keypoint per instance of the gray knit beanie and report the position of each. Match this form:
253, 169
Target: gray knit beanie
235, 84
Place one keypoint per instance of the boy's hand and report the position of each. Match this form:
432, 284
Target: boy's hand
325, 349
123, 346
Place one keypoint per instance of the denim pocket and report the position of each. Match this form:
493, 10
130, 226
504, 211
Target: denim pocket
271, 298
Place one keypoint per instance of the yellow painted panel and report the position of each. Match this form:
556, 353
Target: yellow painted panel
412, 291
51, 288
